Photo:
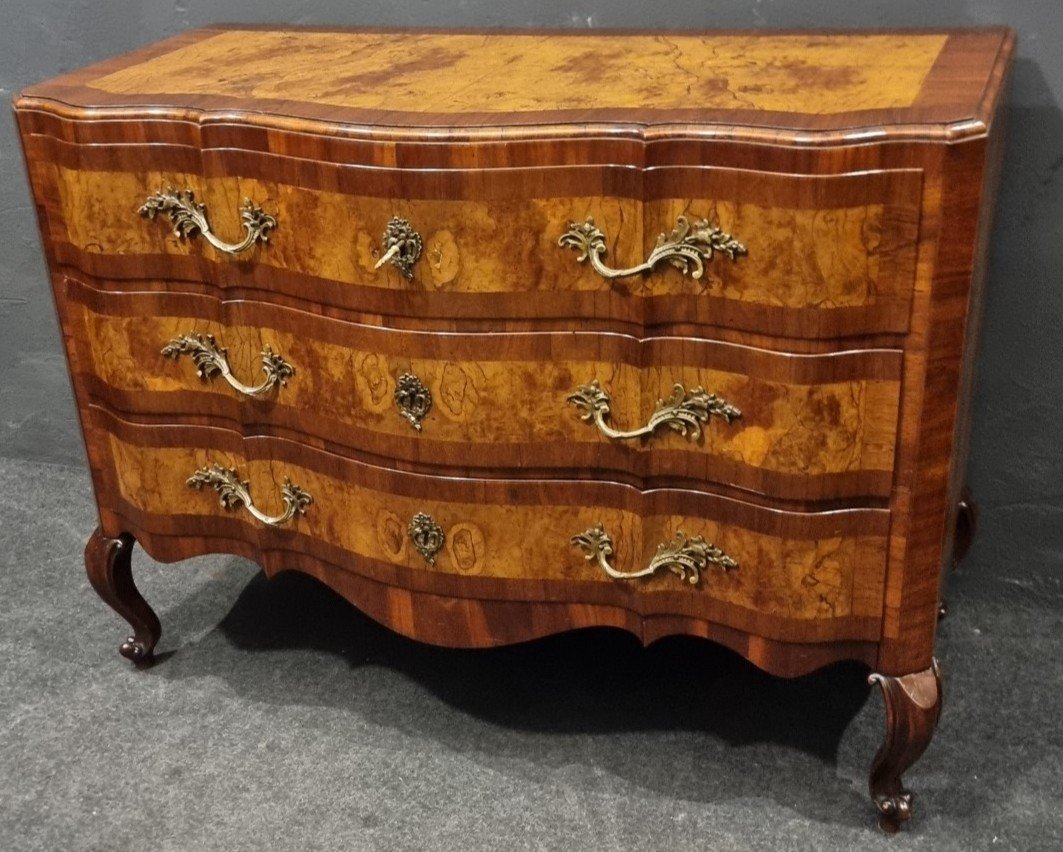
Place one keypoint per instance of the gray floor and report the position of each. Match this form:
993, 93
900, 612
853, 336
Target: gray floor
280, 718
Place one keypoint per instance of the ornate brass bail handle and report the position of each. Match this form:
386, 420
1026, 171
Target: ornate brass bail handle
684, 557
212, 360
685, 411
233, 493
688, 247
402, 246
189, 218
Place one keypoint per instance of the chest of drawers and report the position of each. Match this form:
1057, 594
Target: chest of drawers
505, 334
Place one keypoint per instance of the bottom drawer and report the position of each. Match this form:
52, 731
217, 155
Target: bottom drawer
790, 576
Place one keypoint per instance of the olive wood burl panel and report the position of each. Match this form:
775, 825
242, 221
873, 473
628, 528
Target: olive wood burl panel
827, 256
537, 73
810, 426
800, 576
397, 83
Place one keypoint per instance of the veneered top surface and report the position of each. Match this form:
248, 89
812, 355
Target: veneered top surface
788, 83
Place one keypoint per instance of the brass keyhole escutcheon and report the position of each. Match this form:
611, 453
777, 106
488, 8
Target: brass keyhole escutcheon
427, 536
402, 246
413, 399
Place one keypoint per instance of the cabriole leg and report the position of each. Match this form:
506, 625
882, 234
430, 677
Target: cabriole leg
109, 566
913, 705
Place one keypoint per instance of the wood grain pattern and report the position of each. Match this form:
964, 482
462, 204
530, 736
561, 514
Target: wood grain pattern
109, 568
445, 619
913, 706
890, 176
508, 73
813, 427
951, 101
932, 458
899, 280
842, 245
794, 567
858, 168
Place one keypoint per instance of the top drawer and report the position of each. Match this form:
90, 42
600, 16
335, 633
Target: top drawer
819, 257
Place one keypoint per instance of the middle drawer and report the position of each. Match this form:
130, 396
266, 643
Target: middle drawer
651, 412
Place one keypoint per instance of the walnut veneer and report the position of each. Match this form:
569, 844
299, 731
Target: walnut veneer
498, 338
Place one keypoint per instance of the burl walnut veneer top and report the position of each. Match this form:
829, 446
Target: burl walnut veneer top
790, 84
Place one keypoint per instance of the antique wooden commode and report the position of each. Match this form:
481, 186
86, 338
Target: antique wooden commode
504, 334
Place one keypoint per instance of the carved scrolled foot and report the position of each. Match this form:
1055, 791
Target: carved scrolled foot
913, 705
109, 566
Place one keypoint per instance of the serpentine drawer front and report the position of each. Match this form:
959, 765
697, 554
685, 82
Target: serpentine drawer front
506, 340
788, 573
796, 427
804, 256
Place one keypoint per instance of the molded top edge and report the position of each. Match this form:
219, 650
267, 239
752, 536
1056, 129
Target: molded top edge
776, 87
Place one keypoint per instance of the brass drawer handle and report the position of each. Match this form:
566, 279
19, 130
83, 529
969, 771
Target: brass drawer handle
684, 557
402, 246
212, 360
684, 411
687, 247
233, 493
189, 218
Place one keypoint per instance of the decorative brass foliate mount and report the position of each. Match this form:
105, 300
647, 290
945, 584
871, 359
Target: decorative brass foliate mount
685, 412
684, 557
687, 247
413, 399
212, 360
427, 536
402, 246
233, 493
189, 218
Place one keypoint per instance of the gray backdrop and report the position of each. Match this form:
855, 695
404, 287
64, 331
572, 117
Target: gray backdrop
1016, 452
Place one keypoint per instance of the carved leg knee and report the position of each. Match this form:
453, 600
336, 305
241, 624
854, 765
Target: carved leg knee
913, 705
108, 563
